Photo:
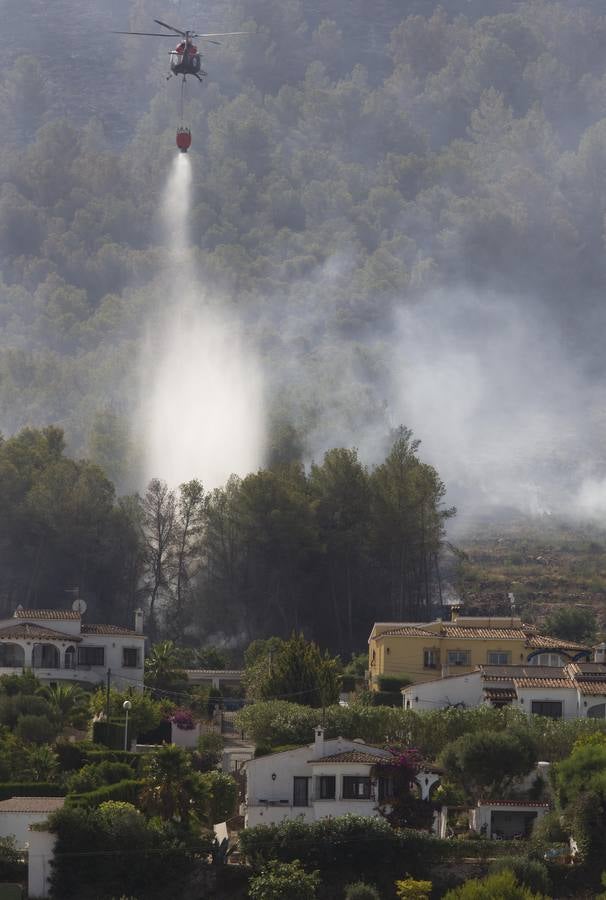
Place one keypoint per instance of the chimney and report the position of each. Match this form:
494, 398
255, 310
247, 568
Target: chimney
139, 621
319, 742
599, 653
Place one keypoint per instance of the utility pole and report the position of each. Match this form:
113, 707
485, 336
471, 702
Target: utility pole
107, 690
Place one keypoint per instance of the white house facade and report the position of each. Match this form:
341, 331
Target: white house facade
17, 816
58, 646
328, 778
576, 690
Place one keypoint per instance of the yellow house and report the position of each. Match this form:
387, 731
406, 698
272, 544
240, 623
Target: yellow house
423, 651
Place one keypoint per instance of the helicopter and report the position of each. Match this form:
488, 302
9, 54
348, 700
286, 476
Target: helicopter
184, 60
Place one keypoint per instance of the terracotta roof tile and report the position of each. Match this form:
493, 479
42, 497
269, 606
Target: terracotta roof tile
31, 631
31, 804
500, 693
593, 688
538, 641
408, 631
482, 633
498, 673
118, 630
543, 682
45, 614
351, 756
531, 803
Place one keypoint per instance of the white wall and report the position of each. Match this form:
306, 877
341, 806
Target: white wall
270, 799
444, 692
567, 696
17, 824
41, 848
184, 738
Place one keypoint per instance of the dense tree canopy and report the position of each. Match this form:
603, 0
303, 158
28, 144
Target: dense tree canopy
346, 163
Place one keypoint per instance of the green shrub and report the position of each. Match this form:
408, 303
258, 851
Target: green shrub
262, 750
12, 866
529, 872
361, 891
284, 881
500, 886
110, 734
10, 789
97, 756
348, 683
37, 729
386, 698
114, 851
393, 682
208, 754
95, 775
127, 791
72, 754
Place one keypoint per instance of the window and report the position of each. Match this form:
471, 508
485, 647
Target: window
550, 708
431, 658
498, 658
91, 656
130, 657
326, 787
458, 657
300, 791
356, 787
548, 659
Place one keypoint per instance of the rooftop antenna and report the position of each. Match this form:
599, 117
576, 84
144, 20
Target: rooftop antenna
79, 605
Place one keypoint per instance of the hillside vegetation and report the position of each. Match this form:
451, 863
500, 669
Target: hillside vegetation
348, 161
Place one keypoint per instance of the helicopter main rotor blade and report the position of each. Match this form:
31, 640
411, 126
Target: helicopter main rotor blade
170, 27
146, 33
221, 34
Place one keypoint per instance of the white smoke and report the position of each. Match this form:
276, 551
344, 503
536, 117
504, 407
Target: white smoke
488, 384
203, 405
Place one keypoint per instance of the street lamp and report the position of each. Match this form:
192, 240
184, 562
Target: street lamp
126, 706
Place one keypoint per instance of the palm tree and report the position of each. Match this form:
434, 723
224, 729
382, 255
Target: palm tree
69, 704
163, 668
172, 789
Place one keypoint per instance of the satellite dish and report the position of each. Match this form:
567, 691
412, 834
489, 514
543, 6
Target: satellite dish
79, 605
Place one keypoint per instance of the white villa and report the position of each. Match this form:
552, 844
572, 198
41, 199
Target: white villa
327, 778
58, 646
576, 690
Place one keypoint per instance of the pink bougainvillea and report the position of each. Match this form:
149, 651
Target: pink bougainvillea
183, 719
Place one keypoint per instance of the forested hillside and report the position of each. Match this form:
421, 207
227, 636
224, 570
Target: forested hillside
326, 551
354, 166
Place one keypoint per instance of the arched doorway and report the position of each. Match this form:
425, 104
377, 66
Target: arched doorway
70, 658
12, 656
45, 656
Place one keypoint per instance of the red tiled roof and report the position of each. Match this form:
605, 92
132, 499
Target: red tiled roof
31, 804
45, 614
531, 803
482, 633
408, 631
593, 688
500, 693
111, 629
351, 756
539, 641
30, 631
543, 682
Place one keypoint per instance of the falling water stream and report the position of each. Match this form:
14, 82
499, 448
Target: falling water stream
203, 402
